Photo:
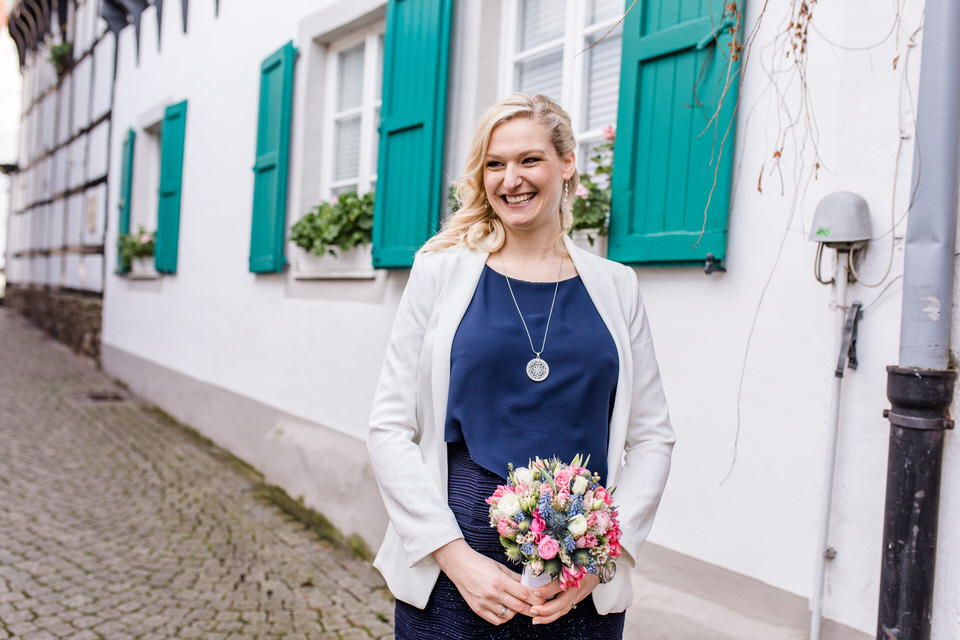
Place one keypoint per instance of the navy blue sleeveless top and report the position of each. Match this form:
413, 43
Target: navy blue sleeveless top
501, 414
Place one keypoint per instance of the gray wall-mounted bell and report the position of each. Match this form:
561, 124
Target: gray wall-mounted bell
841, 221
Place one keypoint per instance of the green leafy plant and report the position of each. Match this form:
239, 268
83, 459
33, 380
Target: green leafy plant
136, 245
343, 222
591, 201
61, 57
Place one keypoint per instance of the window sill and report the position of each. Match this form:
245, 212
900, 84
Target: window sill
142, 276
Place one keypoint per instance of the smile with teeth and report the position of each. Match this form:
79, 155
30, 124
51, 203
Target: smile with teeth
521, 198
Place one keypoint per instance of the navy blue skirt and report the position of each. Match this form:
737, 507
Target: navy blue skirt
447, 616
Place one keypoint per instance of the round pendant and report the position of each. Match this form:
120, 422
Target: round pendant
537, 370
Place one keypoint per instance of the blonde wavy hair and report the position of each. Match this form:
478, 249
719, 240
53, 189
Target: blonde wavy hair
475, 225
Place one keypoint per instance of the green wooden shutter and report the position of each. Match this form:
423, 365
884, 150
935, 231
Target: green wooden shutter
674, 150
270, 167
410, 165
171, 176
126, 188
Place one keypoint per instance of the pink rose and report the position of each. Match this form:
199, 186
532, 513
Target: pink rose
602, 520
562, 479
492, 500
570, 578
548, 547
610, 133
581, 192
604, 495
537, 525
507, 528
614, 548
586, 541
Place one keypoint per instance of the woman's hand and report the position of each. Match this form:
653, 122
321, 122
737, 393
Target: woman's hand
488, 587
564, 600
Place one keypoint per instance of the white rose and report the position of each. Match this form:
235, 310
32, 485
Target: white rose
523, 475
580, 485
577, 526
508, 505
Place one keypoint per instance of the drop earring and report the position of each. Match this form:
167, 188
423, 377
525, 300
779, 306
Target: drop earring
566, 190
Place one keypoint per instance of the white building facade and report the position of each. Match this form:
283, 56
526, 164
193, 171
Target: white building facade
228, 123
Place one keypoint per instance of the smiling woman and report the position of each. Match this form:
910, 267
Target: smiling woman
525, 177
460, 398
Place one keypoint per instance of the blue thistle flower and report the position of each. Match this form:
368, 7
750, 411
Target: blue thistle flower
556, 520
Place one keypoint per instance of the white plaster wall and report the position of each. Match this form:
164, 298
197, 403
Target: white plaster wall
290, 343
94, 215
76, 158
102, 77
63, 121
97, 151
763, 519
747, 356
81, 96
57, 214
74, 218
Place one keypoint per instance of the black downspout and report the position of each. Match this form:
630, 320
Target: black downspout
920, 389
919, 400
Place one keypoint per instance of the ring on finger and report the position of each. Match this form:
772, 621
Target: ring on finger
573, 605
503, 611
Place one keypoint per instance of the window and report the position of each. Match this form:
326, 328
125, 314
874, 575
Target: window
151, 176
562, 49
145, 176
354, 79
672, 171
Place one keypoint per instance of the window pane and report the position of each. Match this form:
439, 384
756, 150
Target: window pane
543, 74
605, 9
540, 21
378, 81
585, 153
344, 188
374, 157
346, 159
603, 80
350, 78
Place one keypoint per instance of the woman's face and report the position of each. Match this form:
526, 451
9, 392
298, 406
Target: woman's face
523, 176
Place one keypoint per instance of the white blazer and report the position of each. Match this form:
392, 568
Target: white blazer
406, 442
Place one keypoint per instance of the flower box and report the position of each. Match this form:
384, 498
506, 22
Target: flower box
581, 238
142, 269
356, 263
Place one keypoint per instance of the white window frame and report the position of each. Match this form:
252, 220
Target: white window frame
574, 40
368, 110
145, 188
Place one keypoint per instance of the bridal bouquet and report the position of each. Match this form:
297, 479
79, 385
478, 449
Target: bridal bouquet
557, 521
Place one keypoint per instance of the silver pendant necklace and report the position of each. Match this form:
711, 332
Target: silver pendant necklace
537, 368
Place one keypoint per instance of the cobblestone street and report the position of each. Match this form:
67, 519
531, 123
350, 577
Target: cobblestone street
117, 523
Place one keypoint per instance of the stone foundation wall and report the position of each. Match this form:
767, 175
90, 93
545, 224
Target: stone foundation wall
71, 318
